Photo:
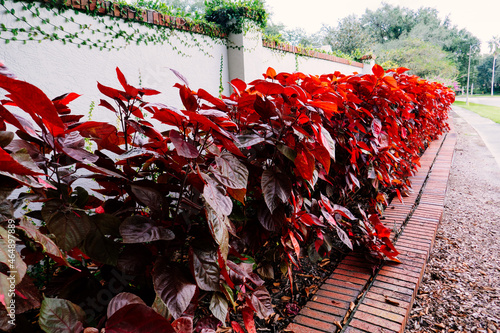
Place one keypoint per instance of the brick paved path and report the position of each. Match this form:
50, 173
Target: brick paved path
359, 297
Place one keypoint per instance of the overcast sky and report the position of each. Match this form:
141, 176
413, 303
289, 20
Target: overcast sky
480, 17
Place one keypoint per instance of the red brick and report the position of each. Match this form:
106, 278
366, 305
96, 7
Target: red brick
403, 249
375, 320
353, 268
340, 290
359, 275
397, 318
396, 282
336, 296
330, 301
367, 327
316, 324
401, 309
399, 274
391, 294
296, 328
344, 284
319, 315
415, 270
327, 308
348, 278
411, 241
353, 330
389, 286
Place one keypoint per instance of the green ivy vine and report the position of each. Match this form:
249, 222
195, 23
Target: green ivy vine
34, 22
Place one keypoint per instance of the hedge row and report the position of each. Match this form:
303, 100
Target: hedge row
192, 217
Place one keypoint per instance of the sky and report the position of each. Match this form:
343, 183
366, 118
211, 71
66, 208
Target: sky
480, 17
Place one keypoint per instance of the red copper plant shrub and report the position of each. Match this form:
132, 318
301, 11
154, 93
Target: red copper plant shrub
190, 219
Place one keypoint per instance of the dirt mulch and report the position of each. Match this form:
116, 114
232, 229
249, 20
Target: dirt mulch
460, 291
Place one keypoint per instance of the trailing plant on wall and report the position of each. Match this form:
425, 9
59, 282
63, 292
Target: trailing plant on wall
231, 15
36, 22
186, 223
59, 21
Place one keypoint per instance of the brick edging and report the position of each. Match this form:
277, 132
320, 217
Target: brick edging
360, 297
309, 53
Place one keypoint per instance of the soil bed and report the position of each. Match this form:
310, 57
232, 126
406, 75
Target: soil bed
460, 291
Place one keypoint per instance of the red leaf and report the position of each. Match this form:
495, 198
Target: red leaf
391, 81
248, 319
121, 300
215, 101
33, 101
239, 85
9, 164
111, 92
261, 302
380, 229
173, 287
137, 318
183, 148
270, 73
66, 98
401, 70
265, 108
183, 325
267, 88
18, 121
131, 91
188, 97
275, 186
376, 127
305, 164
309, 219
167, 115
329, 107
236, 327
378, 71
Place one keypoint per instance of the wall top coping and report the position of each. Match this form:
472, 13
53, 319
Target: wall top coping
114, 9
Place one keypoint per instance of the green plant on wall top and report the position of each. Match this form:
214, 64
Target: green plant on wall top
231, 16
32, 23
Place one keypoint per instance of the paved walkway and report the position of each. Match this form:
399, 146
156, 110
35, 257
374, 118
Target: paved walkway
487, 129
362, 298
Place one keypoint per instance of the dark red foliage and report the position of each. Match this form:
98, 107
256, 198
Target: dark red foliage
201, 206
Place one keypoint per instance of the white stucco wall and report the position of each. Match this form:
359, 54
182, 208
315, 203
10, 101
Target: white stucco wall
57, 68
258, 58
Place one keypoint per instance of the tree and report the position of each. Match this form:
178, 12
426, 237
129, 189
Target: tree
423, 58
348, 37
388, 22
459, 44
485, 74
494, 45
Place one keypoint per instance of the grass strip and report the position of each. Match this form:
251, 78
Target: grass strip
487, 111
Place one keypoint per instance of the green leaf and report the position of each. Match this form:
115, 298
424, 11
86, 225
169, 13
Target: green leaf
60, 315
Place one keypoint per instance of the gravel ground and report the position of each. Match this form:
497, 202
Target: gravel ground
461, 287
